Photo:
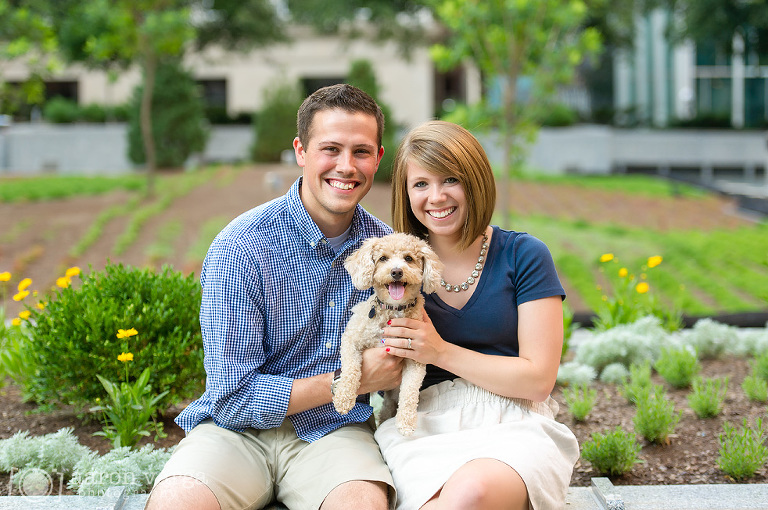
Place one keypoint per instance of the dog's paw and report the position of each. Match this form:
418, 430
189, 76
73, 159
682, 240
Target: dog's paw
343, 402
406, 427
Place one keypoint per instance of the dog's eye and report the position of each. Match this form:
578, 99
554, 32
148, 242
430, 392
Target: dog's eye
383, 258
408, 258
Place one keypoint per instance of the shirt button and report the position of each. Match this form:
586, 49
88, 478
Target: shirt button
328, 345
331, 304
312, 244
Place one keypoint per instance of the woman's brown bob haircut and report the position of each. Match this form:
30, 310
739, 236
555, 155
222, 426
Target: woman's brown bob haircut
448, 150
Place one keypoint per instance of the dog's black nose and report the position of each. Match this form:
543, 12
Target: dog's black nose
396, 273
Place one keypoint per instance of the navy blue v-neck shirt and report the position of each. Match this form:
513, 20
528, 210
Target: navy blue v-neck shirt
518, 268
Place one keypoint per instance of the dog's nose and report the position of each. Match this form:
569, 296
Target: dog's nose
396, 273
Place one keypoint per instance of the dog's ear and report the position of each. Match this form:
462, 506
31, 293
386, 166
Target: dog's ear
433, 268
360, 264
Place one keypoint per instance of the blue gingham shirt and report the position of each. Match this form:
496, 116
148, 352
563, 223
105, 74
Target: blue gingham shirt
276, 299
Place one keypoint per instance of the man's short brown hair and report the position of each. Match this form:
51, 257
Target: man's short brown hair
343, 97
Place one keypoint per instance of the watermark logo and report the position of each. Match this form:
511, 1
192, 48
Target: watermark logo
35, 483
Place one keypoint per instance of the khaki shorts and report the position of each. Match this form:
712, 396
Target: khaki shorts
255, 467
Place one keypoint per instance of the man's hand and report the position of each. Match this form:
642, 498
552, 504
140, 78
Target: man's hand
380, 371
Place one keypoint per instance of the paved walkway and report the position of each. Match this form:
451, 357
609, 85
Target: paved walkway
603, 495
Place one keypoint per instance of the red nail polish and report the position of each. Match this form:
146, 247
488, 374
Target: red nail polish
389, 322
387, 349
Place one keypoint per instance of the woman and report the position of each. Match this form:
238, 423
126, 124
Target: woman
491, 337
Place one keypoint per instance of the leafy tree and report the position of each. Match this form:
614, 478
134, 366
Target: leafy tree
544, 40
717, 21
111, 34
361, 75
24, 32
178, 118
275, 124
391, 20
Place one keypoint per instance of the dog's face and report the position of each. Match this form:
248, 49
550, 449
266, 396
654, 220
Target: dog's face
397, 266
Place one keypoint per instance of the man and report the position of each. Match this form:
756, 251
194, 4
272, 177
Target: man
276, 299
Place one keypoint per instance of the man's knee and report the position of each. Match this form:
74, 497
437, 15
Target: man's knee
182, 492
358, 494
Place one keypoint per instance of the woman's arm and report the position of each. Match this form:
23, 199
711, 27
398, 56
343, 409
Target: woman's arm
530, 376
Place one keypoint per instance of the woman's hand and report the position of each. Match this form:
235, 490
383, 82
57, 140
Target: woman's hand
414, 339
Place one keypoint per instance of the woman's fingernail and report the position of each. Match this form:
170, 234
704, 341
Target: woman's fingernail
382, 340
387, 349
389, 322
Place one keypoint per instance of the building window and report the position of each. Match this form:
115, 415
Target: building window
65, 89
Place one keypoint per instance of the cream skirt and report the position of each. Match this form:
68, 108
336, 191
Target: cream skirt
460, 422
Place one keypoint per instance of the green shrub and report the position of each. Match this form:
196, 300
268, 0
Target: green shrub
678, 367
756, 388
639, 382
742, 452
760, 366
580, 400
178, 120
613, 453
656, 418
61, 111
361, 75
74, 337
274, 127
93, 113
707, 397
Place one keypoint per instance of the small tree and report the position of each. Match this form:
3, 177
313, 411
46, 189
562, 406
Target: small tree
178, 119
361, 75
274, 126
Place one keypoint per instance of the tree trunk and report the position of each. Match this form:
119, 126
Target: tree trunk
508, 123
145, 119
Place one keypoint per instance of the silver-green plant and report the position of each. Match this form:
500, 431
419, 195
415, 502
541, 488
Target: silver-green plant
742, 451
656, 417
710, 338
572, 373
55, 453
678, 366
134, 469
613, 453
756, 388
615, 373
626, 344
707, 396
580, 400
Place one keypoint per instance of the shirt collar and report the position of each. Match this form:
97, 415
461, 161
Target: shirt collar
307, 226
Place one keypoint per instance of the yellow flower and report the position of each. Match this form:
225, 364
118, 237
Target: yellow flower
642, 287
21, 295
23, 284
72, 271
24, 314
62, 282
125, 357
5, 276
41, 305
623, 272
16, 321
606, 257
654, 261
125, 333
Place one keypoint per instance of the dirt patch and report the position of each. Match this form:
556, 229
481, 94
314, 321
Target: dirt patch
36, 238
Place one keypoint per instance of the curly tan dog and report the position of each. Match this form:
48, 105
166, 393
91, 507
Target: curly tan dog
397, 266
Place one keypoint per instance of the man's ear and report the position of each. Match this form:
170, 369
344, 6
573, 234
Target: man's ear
298, 149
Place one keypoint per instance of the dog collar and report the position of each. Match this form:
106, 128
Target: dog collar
385, 306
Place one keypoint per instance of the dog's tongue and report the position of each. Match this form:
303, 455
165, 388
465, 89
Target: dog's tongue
396, 291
